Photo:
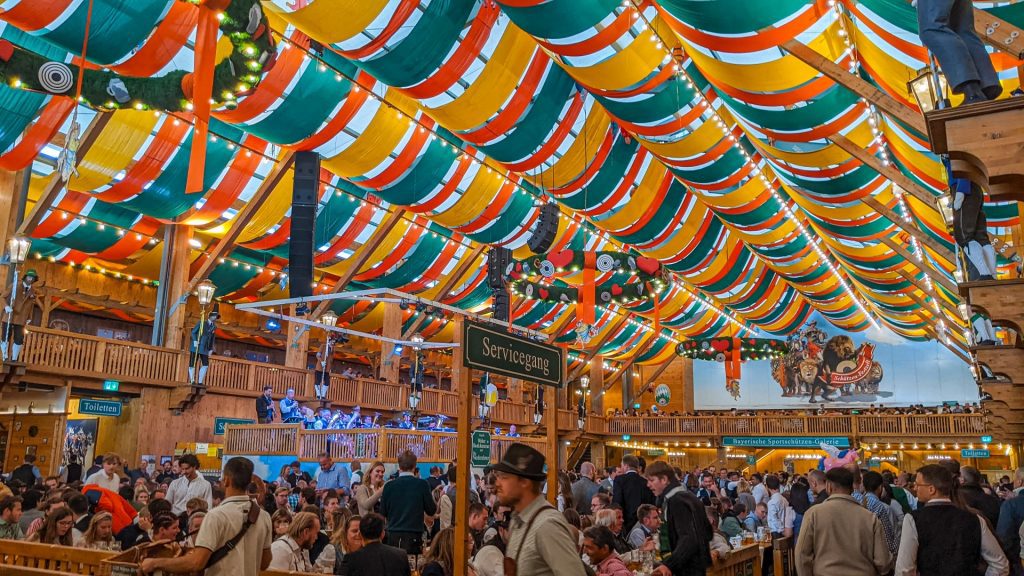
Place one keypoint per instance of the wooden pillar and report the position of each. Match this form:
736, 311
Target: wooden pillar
174, 274
390, 365
297, 352
13, 189
596, 382
551, 423
515, 390
462, 382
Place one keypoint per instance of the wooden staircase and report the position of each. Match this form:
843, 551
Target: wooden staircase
984, 142
185, 396
11, 374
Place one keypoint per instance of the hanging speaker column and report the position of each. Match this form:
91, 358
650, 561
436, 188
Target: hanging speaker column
305, 193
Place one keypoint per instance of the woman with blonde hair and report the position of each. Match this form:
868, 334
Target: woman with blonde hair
368, 493
141, 499
100, 534
744, 495
440, 559
345, 539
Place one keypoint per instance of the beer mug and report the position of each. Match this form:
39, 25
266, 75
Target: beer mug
761, 532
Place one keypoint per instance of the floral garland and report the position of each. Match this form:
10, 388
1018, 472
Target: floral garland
720, 349
242, 22
523, 276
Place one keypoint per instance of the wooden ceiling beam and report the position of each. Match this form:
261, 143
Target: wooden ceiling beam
449, 283
227, 243
932, 273
890, 172
616, 326
56, 184
360, 257
856, 84
914, 231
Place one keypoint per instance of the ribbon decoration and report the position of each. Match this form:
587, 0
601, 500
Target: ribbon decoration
657, 312
585, 312
202, 88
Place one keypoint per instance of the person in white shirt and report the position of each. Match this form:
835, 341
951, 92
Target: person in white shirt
251, 553
777, 505
940, 535
759, 492
290, 553
190, 484
107, 477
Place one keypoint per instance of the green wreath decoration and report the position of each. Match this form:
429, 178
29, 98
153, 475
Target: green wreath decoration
242, 22
719, 349
522, 276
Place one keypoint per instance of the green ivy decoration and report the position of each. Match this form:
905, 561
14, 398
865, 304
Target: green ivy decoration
243, 23
531, 277
719, 349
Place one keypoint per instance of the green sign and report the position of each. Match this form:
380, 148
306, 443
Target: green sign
986, 439
481, 449
967, 453
485, 348
220, 423
111, 385
751, 460
785, 441
99, 407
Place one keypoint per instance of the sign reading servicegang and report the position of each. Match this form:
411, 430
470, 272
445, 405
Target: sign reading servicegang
785, 441
490, 350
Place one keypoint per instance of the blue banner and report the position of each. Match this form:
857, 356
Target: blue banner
968, 453
785, 441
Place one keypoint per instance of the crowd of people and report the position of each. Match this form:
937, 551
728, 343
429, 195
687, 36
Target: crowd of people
821, 410
354, 519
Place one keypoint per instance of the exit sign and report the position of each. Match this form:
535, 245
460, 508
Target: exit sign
111, 385
986, 439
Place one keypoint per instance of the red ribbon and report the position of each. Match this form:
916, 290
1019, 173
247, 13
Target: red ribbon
202, 89
586, 312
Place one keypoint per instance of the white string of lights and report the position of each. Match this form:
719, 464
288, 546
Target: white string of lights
710, 113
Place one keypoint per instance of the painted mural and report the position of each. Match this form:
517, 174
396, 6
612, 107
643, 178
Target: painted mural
827, 365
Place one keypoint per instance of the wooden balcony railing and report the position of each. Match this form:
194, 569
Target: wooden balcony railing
933, 425
366, 445
54, 351
63, 353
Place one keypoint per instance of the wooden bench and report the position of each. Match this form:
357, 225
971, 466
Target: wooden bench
53, 559
744, 561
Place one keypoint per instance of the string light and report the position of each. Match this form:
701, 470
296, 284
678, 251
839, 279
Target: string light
707, 109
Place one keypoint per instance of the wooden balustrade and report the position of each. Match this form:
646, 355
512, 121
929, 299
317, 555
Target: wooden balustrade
743, 561
63, 353
880, 425
60, 352
58, 559
272, 439
507, 411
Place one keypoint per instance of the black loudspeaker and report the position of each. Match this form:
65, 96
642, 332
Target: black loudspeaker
305, 193
498, 260
500, 304
547, 226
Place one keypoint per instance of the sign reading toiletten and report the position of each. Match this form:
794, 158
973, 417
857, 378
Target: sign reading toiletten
491, 350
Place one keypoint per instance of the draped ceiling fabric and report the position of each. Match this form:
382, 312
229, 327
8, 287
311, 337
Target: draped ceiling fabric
675, 129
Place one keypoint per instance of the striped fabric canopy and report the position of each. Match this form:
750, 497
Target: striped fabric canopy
674, 129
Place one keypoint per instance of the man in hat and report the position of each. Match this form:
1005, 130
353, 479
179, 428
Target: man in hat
540, 543
203, 337
18, 307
